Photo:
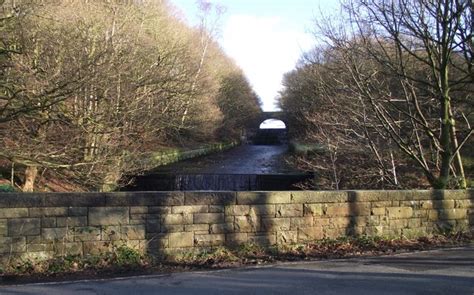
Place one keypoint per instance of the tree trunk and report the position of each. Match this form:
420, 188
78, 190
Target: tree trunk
457, 158
30, 177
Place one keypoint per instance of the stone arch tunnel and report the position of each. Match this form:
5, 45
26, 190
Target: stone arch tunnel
273, 136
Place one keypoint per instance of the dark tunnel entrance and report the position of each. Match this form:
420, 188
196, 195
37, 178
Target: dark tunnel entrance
271, 132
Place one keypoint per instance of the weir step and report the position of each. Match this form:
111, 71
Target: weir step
218, 182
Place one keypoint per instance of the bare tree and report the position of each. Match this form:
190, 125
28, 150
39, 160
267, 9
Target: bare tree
431, 34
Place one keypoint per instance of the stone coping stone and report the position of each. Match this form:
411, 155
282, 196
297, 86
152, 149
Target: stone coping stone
96, 199
145, 199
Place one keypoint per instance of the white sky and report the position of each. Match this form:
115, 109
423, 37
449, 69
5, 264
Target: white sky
265, 49
265, 37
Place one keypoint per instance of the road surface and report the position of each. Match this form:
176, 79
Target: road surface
448, 271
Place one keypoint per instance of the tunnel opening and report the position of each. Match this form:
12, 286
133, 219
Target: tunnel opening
272, 124
271, 132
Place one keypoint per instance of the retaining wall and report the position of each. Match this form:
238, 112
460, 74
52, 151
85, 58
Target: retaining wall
175, 155
44, 225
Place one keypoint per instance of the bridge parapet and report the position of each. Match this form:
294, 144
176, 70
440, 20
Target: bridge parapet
278, 115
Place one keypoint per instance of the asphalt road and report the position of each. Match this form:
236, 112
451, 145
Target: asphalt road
448, 271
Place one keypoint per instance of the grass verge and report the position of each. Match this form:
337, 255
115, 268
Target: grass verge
125, 261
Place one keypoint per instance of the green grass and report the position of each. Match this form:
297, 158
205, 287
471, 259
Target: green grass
6, 188
300, 148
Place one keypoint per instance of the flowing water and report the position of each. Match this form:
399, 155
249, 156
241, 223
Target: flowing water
244, 168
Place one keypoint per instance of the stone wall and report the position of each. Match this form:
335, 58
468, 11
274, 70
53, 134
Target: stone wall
44, 225
170, 156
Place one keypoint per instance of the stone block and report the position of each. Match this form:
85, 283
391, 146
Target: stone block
412, 233
399, 212
378, 211
447, 214
256, 198
208, 218
209, 240
189, 209
414, 222
20, 200
88, 233
301, 222
48, 211
59, 234
246, 224
171, 219
407, 195
233, 210
451, 194
108, 216
413, 204
33, 239
313, 197
310, 234
96, 247
24, 227
355, 231
236, 238
323, 222
48, 222
210, 198
143, 217
442, 204
289, 210
348, 209
139, 210
13, 212
12, 245
334, 233
77, 211
373, 220
221, 228
153, 226
73, 199
197, 227
313, 209
421, 213
263, 240
398, 223
216, 209
159, 210
72, 248
426, 204
3, 227
463, 204
74, 221
276, 224
340, 222
172, 228
125, 233
263, 210
374, 230
381, 204
39, 247
287, 237
142, 199
181, 240
156, 242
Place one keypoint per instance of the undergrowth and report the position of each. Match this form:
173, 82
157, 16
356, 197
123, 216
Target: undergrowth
122, 257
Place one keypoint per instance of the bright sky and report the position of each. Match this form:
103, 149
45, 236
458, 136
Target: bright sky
265, 37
